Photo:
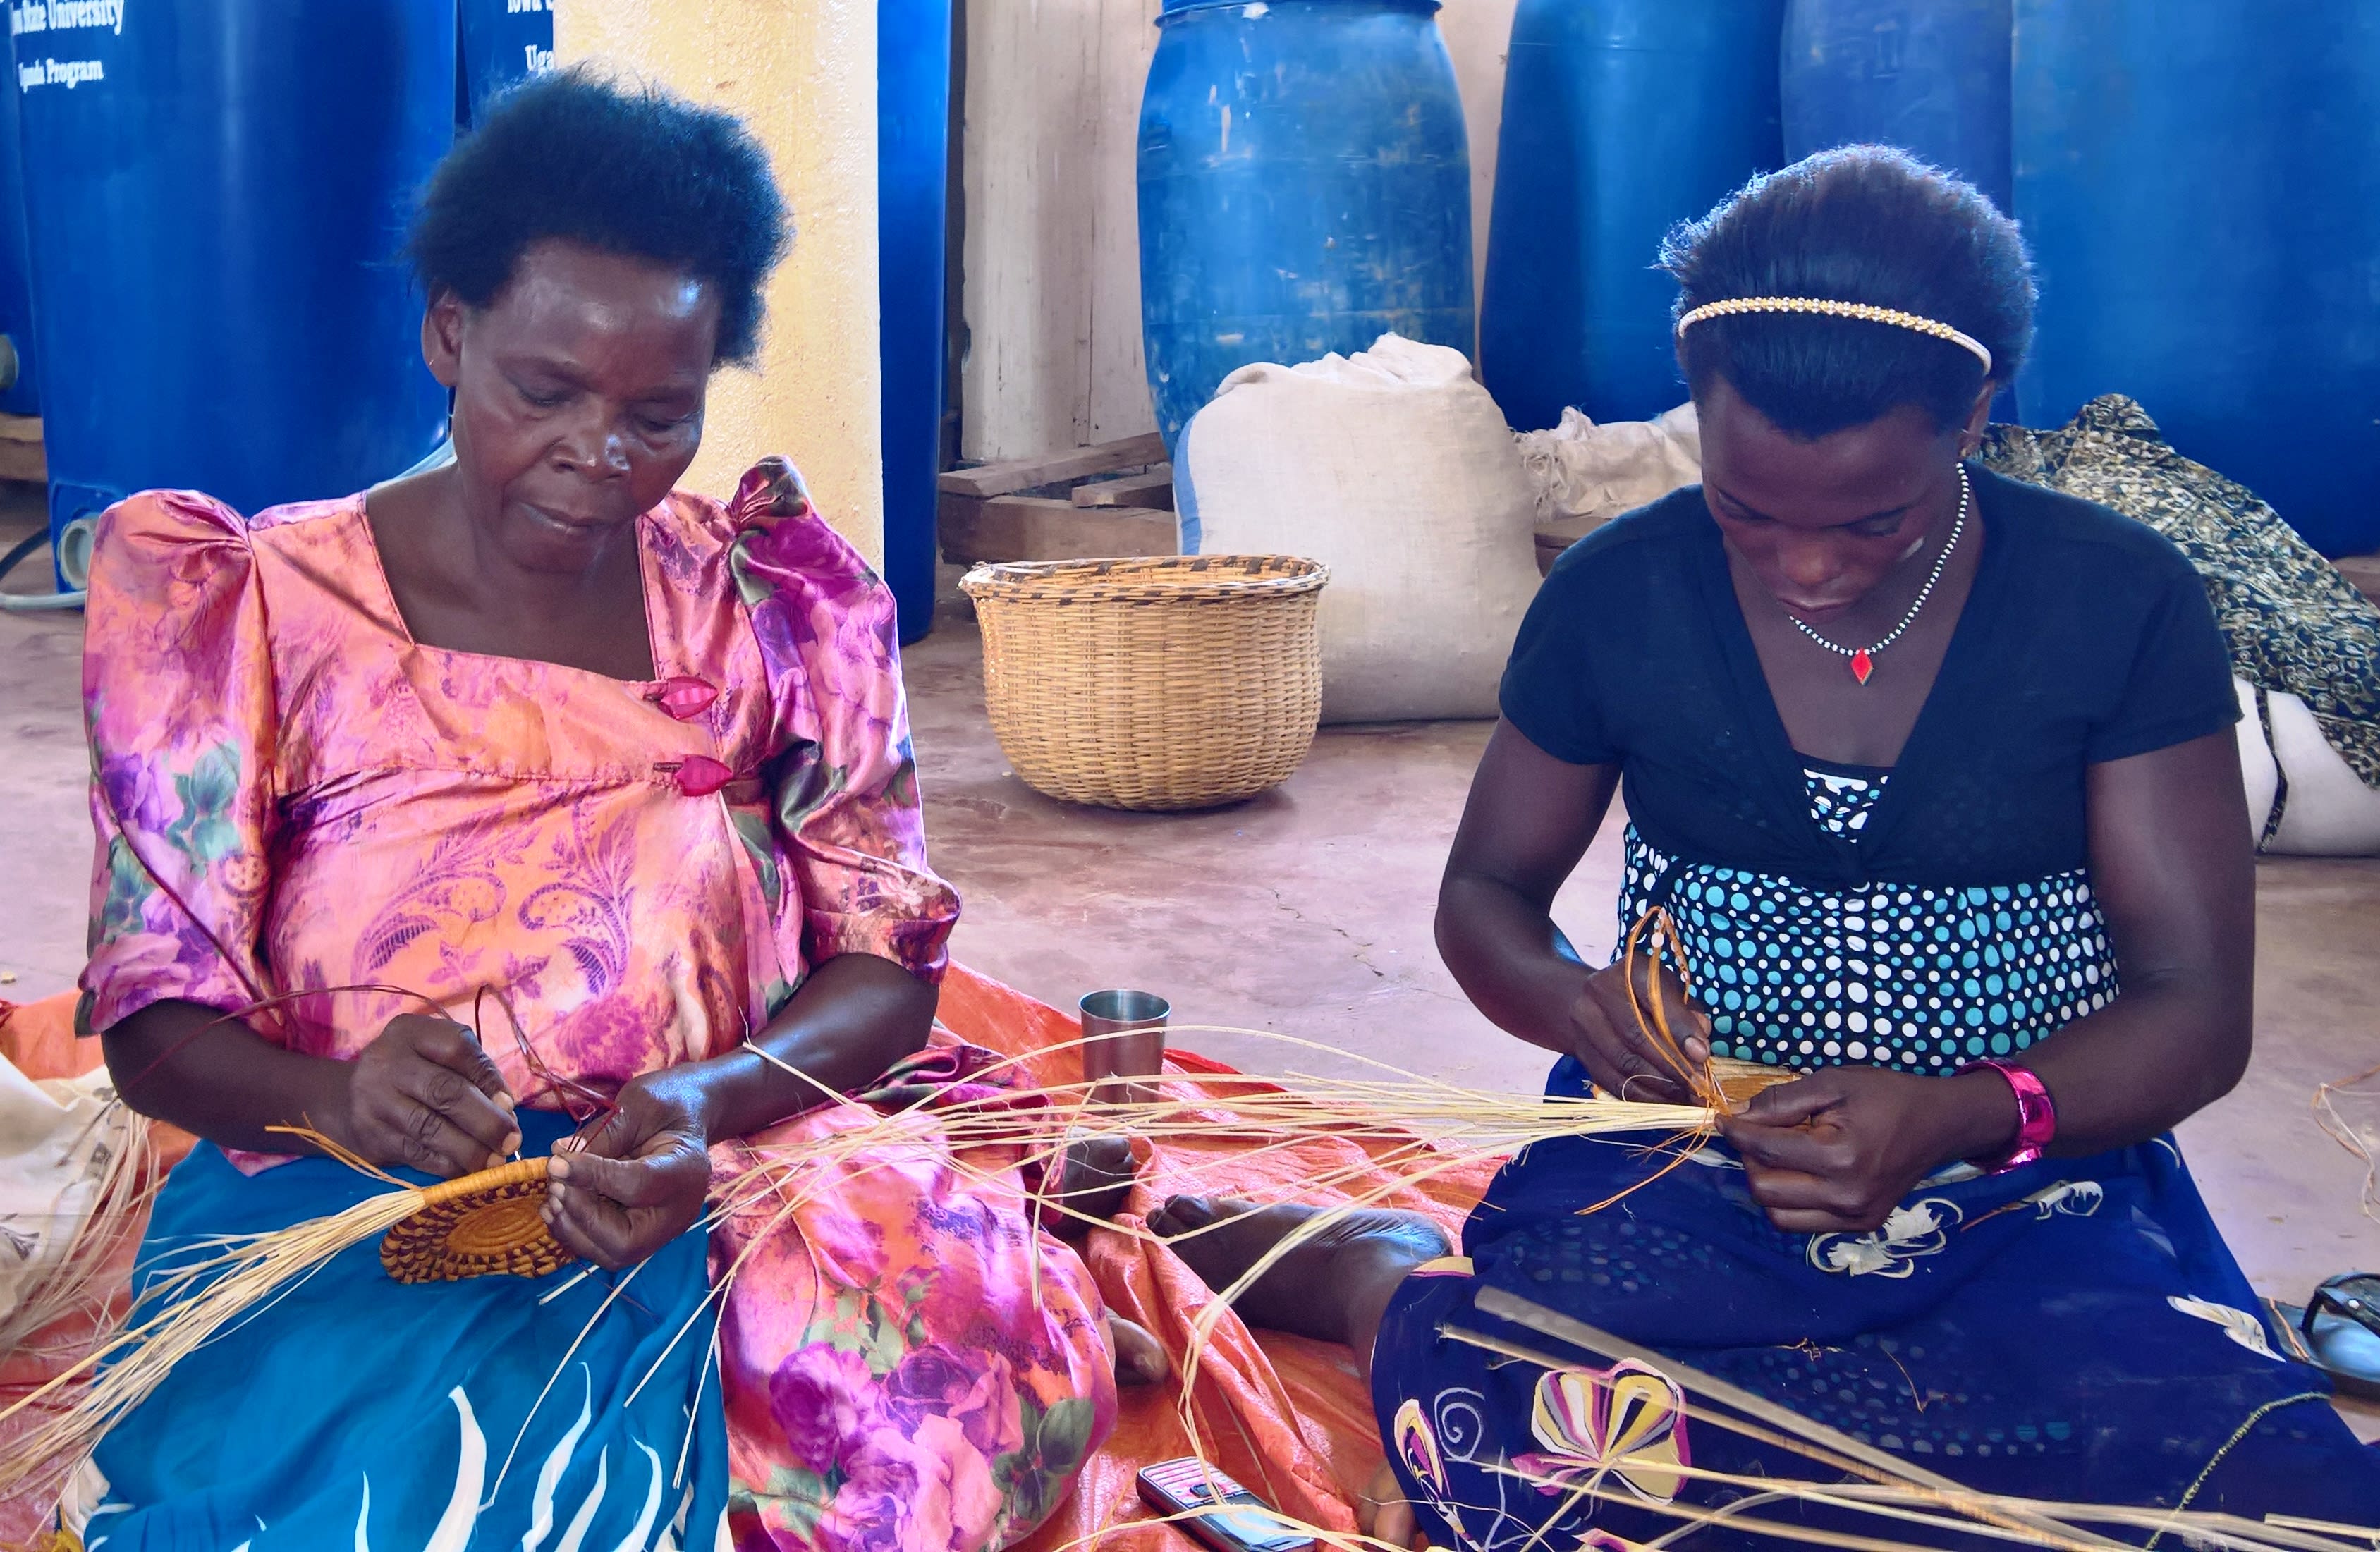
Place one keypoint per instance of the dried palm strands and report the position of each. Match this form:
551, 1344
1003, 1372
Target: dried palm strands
77, 1278
181, 1309
1906, 1507
188, 1303
1887, 1486
75, 1297
1402, 1129
191, 1302
2359, 1141
1881, 1502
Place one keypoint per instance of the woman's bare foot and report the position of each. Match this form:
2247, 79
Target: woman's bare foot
1094, 1177
1382, 1511
1334, 1286
1140, 1357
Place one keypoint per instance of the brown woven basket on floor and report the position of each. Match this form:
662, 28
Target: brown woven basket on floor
477, 1226
1172, 681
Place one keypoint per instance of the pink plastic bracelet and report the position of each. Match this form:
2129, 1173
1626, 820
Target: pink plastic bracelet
2037, 1118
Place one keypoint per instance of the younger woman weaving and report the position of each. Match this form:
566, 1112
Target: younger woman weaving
1935, 773
534, 741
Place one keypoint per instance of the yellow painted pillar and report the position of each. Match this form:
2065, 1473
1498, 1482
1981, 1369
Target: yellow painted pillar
802, 73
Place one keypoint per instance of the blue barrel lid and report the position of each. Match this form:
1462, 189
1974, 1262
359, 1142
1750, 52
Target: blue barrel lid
1257, 8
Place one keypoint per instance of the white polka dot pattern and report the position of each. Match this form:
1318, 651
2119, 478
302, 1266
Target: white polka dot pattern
1921, 979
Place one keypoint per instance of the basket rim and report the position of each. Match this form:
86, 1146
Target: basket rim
520, 1172
1145, 579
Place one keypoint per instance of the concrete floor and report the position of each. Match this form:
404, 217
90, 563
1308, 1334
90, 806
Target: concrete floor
1307, 912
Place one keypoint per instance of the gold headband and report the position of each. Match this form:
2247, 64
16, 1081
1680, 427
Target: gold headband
1860, 310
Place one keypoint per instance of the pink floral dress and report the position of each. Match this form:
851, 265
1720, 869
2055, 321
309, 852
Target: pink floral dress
293, 796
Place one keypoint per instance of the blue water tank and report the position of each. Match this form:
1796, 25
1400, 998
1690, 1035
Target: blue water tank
1622, 117
500, 44
1928, 76
22, 395
1305, 187
2201, 187
217, 193
913, 172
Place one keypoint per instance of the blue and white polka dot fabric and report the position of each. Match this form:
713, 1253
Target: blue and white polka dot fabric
1919, 978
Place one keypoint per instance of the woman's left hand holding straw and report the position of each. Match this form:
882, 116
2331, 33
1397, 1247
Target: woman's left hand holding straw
638, 1180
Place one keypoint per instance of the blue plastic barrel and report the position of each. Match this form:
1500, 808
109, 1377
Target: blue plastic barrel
2201, 187
913, 162
217, 193
1622, 117
22, 395
1928, 76
501, 43
1305, 187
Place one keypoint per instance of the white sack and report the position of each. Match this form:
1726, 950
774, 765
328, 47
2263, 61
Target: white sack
2330, 812
1395, 469
1597, 472
2259, 772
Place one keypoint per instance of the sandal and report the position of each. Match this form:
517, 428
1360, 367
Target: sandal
2338, 1331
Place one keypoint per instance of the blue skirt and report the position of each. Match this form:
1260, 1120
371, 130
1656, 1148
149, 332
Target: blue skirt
358, 1412
2074, 1330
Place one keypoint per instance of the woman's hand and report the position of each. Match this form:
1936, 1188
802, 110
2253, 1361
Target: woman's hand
639, 1180
1836, 1151
426, 1096
1621, 1055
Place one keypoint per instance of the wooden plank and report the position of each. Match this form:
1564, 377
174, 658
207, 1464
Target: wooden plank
1031, 103
1153, 489
21, 454
1051, 277
1116, 393
1042, 528
1050, 469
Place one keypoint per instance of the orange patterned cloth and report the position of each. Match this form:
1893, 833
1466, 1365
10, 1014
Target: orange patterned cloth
1289, 1417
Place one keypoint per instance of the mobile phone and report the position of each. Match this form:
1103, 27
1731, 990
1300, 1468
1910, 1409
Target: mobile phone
1239, 1522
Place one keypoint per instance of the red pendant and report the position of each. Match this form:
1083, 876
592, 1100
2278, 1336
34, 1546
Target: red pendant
1862, 666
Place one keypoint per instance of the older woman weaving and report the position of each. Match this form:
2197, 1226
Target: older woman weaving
621, 777
1935, 774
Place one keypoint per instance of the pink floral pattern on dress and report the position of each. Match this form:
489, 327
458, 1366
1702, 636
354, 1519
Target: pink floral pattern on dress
293, 796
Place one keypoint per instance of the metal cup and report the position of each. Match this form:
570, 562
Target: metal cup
1124, 1039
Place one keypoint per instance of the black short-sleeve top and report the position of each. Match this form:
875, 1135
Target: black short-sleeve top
2085, 638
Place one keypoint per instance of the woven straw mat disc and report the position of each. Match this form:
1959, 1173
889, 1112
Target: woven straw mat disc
481, 1225
1741, 1080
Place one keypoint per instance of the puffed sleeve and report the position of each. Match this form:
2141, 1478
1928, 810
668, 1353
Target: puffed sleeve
843, 788
179, 704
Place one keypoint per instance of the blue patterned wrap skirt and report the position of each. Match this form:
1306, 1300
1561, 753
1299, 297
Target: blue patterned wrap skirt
2074, 1330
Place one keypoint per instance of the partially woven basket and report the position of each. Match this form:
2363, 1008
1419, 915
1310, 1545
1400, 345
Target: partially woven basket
1167, 682
482, 1225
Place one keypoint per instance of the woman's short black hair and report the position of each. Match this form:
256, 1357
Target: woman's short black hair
1859, 224
629, 169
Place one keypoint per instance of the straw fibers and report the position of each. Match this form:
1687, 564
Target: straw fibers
80, 1277
2361, 1141
1405, 1128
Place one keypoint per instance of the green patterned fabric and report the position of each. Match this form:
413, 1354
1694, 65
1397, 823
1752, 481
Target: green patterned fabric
2294, 624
